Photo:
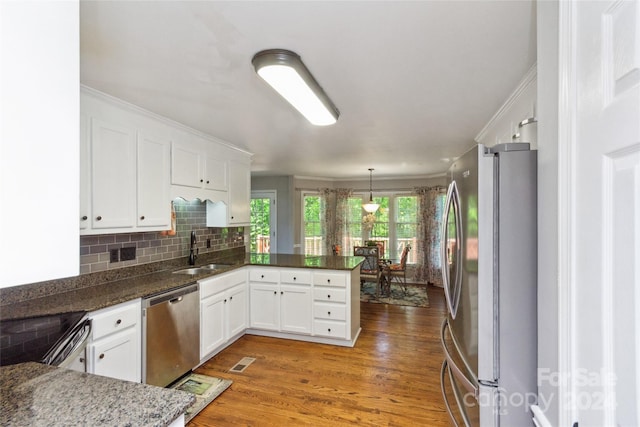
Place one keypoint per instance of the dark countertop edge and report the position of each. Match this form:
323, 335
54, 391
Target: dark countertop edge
111, 293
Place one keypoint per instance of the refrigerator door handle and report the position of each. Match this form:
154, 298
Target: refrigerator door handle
457, 372
447, 405
452, 285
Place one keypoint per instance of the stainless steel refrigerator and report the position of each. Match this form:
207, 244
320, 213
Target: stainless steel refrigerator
489, 249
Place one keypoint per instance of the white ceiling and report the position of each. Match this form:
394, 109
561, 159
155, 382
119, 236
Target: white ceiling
414, 81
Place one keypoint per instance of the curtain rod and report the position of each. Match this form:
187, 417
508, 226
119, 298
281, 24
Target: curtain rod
364, 190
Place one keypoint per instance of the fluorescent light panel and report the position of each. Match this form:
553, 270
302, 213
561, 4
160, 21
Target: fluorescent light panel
286, 73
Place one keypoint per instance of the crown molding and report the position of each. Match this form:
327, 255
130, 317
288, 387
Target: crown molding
165, 120
529, 78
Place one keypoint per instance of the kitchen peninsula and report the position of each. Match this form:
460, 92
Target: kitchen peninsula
310, 298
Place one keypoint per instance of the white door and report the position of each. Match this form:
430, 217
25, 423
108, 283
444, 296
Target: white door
603, 188
263, 222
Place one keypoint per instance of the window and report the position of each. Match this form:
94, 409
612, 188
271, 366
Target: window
406, 226
395, 224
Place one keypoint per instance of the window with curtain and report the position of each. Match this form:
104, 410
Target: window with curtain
402, 219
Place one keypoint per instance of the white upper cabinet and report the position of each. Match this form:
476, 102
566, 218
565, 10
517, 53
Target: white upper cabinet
133, 163
187, 165
153, 182
197, 173
236, 211
113, 175
124, 176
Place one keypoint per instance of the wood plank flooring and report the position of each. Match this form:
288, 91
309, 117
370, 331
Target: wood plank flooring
391, 376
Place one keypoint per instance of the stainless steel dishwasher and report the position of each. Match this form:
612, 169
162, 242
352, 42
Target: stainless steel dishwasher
171, 335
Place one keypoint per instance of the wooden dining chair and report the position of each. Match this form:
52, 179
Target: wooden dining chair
370, 268
379, 244
398, 272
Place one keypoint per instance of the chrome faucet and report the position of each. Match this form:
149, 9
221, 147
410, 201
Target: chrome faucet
192, 252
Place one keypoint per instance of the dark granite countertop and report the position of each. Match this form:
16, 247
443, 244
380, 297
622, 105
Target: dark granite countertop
30, 395
109, 293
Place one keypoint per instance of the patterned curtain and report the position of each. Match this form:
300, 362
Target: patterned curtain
430, 207
335, 209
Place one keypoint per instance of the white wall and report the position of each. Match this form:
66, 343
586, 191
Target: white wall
39, 144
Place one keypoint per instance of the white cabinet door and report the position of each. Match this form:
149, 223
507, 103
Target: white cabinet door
212, 323
265, 306
295, 309
186, 166
154, 207
216, 173
115, 350
239, 193
236, 310
113, 175
85, 172
114, 356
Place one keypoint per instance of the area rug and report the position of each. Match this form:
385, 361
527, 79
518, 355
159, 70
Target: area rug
416, 295
205, 388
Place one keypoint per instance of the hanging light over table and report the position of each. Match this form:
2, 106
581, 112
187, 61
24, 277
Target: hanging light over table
370, 207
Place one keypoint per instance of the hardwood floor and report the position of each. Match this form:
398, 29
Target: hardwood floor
391, 376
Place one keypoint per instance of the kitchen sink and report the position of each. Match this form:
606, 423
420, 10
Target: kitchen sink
192, 271
215, 266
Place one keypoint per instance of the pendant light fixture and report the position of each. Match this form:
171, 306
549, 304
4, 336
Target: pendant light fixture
370, 207
286, 73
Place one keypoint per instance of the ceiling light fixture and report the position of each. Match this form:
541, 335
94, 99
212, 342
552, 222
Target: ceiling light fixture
370, 207
286, 73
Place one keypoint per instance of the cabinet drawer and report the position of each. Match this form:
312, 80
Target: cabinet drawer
115, 319
295, 277
329, 295
329, 279
265, 275
331, 329
329, 311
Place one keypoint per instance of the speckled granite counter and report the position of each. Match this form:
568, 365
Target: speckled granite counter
30, 396
104, 294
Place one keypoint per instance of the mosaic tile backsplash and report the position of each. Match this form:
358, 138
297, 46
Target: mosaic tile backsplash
153, 246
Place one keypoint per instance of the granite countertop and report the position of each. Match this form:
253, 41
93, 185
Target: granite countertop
30, 396
108, 293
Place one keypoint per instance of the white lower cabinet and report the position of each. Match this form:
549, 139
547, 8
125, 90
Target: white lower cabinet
265, 306
223, 311
115, 347
302, 302
282, 300
111, 356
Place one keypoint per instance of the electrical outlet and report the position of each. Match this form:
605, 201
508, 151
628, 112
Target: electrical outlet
114, 255
127, 254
